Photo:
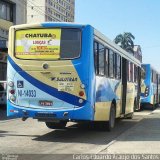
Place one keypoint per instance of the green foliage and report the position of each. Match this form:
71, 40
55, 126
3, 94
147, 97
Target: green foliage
125, 41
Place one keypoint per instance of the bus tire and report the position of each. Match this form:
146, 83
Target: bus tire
136, 106
56, 125
153, 107
112, 118
107, 125
141, 107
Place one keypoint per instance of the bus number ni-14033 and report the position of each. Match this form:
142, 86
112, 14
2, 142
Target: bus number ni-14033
26, 93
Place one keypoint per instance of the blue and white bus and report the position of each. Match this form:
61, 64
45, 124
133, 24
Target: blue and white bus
150, 87
61, 72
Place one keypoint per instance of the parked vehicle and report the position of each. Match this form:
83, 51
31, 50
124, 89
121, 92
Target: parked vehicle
60, 72
3, 89
150, 87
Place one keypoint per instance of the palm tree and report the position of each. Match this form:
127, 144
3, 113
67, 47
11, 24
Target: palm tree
125, 41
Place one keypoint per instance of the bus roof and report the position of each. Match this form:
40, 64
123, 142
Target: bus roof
98, 36
48, 24
143, 64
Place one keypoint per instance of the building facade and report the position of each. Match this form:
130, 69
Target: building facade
50, 10
12, 12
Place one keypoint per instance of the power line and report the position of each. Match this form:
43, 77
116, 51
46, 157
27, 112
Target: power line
49, 15
39, 10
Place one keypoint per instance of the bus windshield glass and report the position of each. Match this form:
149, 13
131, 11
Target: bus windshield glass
143, 72
48, 44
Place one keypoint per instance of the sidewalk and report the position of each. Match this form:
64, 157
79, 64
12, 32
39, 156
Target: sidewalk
143, 138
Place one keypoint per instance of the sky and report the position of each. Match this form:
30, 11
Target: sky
112, 17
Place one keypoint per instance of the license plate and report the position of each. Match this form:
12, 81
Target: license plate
46, 103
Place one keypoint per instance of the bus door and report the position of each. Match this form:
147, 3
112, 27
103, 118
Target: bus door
124, 85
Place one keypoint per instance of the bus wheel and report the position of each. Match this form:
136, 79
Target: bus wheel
112, 118
153, 107
135, 105
56, 125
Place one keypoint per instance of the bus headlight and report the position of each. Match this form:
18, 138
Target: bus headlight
80, 100
11, 84
12, 91
146, 91
82, 86
81, 93
12, 98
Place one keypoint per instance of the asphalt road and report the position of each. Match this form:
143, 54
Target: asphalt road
33, 137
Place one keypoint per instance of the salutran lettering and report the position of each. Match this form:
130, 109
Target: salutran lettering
62, 79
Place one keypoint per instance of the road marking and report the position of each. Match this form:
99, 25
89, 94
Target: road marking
102, 148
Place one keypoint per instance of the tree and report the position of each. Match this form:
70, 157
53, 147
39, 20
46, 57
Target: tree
125, 41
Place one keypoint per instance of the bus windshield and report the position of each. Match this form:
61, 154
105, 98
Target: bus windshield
48, 44
143, 72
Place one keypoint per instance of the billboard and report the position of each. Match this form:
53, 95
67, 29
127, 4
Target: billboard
37, 44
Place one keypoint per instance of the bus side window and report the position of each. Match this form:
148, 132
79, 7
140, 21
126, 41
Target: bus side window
106, 62
155, 77
96, 57
135, 74
152, 75
131, 72
118, 66
128, 71
101, 59
1, 69
115, 65
111, 61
